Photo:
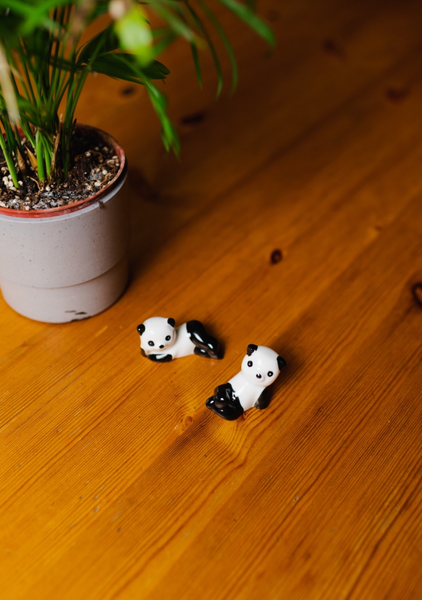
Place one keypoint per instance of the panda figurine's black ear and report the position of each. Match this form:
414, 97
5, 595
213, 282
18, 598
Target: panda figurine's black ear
171, 322
281, 362
140, 329
251, 349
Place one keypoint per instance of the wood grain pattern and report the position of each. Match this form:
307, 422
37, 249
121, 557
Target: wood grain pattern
116, 481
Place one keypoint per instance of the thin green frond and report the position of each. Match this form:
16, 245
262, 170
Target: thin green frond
197, 64
105, 41
225, 41
251, 19
176, 23
207, 37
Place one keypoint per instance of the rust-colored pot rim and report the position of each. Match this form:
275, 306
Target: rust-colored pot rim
79, 204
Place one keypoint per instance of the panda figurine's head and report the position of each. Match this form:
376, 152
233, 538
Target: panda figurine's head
261, 365
157, 334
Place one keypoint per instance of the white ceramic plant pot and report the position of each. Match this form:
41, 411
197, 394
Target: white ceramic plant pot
67, 263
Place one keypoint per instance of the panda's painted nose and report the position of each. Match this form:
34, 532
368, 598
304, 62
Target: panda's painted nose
162, 346
258, 376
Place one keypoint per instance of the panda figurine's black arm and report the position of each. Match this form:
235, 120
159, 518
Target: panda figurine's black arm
264, 400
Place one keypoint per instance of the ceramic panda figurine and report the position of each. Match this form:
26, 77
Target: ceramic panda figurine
161, 342
260, 368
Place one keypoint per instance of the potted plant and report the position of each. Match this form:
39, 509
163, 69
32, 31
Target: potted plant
63, 216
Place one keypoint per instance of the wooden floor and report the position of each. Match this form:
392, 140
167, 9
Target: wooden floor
293, 220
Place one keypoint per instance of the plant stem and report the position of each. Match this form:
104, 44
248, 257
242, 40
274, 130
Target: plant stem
40, 158
9, 160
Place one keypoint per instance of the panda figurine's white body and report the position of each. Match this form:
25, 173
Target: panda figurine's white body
162, 342
260, 368
182, 345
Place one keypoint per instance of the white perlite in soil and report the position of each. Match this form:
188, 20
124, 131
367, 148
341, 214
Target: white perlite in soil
93, 170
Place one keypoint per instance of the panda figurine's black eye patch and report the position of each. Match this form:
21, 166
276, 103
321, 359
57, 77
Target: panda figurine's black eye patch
168, 338
150, 343
250, 363
270, 373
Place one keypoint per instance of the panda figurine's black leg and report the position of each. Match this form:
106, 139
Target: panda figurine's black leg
263, 400
225, 403
201, 352
206, 345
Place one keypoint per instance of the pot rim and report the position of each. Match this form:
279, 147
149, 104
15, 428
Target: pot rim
79, 204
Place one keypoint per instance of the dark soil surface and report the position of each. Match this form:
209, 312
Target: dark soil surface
94, 166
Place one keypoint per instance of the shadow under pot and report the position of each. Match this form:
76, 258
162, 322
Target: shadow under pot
71, 262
